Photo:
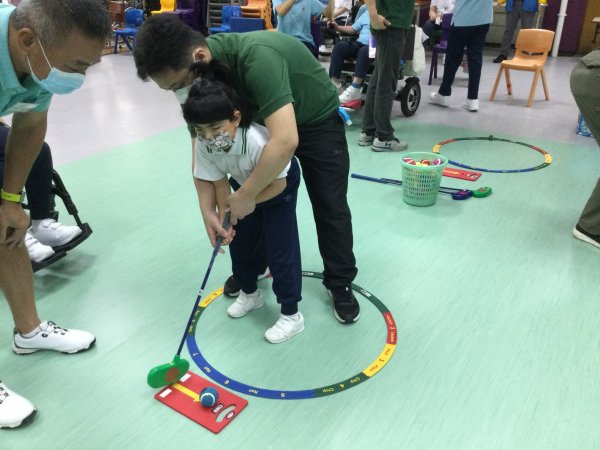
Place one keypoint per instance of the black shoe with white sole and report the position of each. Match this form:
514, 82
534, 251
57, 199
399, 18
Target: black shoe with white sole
232, 288
584, 236
345, 306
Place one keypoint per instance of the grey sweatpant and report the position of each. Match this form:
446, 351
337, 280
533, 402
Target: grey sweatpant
585, 86
512, 20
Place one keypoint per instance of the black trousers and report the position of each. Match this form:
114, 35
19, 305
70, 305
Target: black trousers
323, 154
39, 181
460, 37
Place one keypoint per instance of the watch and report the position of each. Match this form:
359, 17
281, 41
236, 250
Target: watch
15, 198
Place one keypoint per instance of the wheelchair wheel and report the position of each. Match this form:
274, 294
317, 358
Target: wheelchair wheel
410, 97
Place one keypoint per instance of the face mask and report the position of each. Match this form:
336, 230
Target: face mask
183, 92
57, 81
220, 143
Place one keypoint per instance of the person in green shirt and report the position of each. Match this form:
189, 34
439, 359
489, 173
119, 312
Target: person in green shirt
292, 95
37, 59
390, 21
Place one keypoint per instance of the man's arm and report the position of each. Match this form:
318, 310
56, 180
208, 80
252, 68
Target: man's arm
378, 22
346, 29
433, 13
23, 146
282, 143
285, 7
329, 12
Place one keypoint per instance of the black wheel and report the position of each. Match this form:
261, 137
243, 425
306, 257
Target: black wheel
410, 97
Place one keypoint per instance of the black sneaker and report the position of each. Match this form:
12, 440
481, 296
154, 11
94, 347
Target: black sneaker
232, 288
345, 306
584, 236
500, 58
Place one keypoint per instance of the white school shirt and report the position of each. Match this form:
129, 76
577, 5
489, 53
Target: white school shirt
443, 6
239, 161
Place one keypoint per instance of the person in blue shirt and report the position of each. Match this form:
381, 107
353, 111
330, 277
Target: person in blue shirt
470, 24
523, 10
294, 18
352, 49
37, 59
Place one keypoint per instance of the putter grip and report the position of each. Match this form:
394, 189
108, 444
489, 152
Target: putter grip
225, 225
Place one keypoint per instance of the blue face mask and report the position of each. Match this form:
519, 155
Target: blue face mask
57, 81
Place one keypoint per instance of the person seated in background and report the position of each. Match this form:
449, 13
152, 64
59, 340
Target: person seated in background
45, 232
437, 9
341, 14
352, 49
294, 18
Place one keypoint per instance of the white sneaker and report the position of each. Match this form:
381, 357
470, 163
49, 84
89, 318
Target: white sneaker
14, 409
395, 145
49, 336
365, 139
53, 233
285, 328
245, 303
351, 93
438, 99
38, 252
471, 105
323, 50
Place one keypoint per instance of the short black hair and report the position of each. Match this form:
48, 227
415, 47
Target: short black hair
164, 42
53, 20
212, 101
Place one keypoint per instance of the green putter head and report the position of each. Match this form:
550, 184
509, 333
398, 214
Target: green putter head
483, 191
169, 373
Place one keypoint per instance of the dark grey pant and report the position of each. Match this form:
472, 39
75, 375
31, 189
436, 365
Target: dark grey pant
512, 20
585, 86
383, 82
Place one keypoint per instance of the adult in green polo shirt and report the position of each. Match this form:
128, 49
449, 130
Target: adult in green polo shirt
45, 48
390, 21
293, 96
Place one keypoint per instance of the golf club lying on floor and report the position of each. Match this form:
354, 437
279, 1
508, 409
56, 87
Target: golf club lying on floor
172, 372
457, 194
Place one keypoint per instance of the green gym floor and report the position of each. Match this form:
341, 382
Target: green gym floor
496, 304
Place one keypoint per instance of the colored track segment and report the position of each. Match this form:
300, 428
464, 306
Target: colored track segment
324, 391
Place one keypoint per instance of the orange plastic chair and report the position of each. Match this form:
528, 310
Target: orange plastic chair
531, 54
165, 6
258, 9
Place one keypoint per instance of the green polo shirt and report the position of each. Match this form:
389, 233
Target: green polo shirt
16, 96
273, 69
398, 12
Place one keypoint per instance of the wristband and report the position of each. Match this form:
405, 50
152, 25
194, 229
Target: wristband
15, 198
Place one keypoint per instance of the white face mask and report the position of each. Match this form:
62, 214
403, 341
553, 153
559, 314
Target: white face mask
183, 92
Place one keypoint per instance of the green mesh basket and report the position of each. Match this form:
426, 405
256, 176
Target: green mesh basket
420, 184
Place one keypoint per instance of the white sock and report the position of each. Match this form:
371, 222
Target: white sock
294, 317
35, 224
41, 327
